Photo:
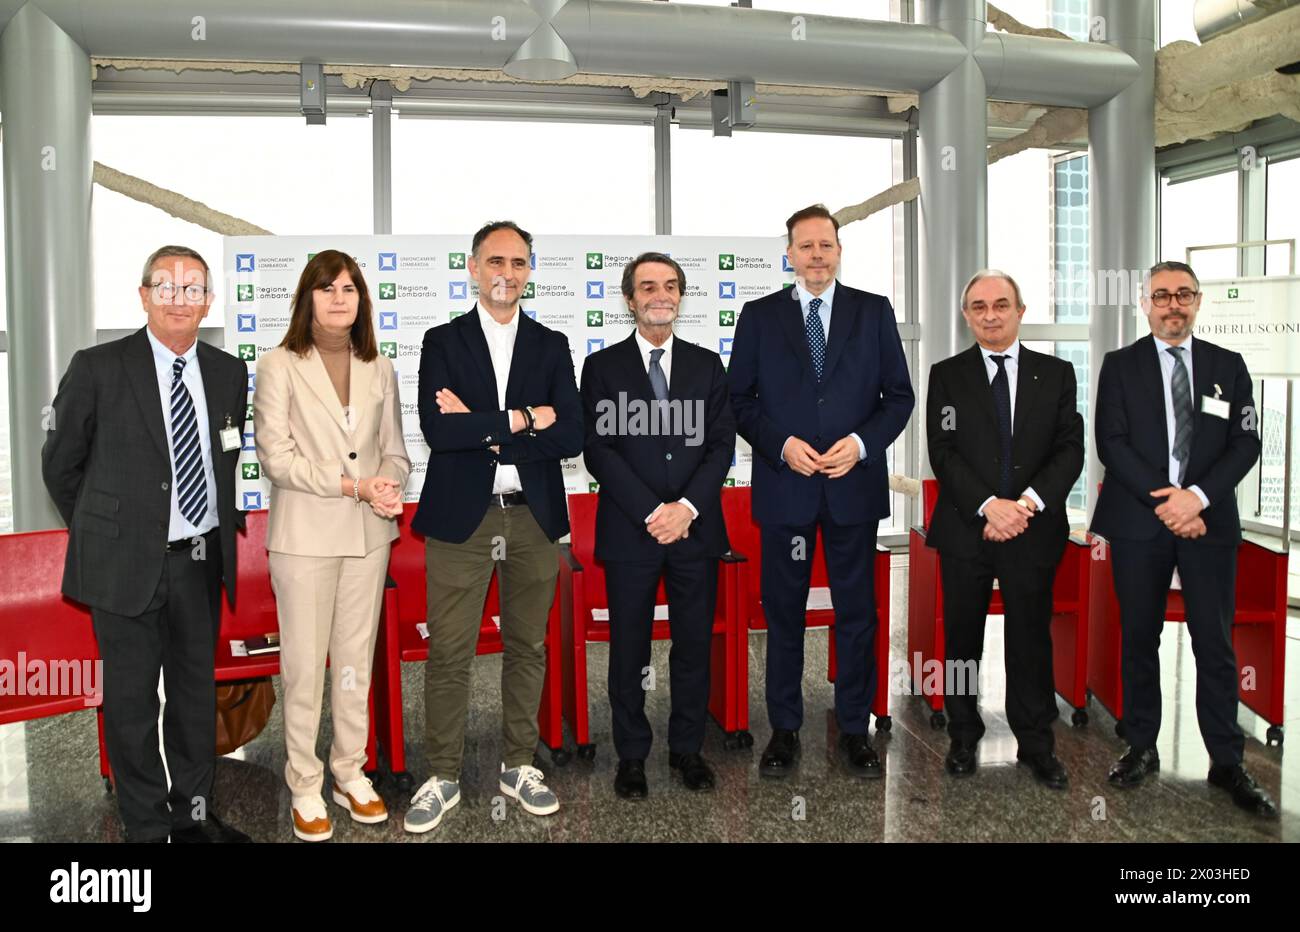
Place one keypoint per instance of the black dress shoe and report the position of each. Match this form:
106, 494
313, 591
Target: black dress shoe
863, 759
696, 773
960, 761
1246, 793
210, 831
1047, 769
780, 753
629, 782
1131, 769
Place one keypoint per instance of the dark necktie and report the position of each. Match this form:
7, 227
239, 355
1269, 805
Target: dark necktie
658, 381
816, 336
1002, 404
1181, 389
191, 485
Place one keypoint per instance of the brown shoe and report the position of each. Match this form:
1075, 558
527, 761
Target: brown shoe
310, 821
361, 801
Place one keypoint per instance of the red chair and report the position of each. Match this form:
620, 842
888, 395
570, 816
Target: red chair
405, 607
37, 624
585, 608
746, 540
1071, 595
255, 615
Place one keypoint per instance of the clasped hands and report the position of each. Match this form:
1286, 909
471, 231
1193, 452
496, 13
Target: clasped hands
384, 495
1005, 519
1180, 511
670, 522
543, 415
834, 463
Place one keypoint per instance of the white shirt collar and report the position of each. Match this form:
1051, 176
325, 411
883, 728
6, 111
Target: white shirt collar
805, 296
490, 325
1161, 346
646, 346
1013, 351
164, 355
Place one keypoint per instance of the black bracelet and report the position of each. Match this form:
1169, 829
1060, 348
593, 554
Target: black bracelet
528, 419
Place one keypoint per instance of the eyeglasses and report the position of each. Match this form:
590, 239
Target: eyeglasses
166, 291
1185, 297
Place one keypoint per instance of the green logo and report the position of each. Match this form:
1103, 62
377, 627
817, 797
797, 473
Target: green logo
248, 413
595, 318
1232, 292
247, 352
454, 314
310, 256
729, 482
243, 292
726, 318
726, 261
388, 349
455, 260
595, 260
788, 285
529, 291
251, 471
387, 291
593, 486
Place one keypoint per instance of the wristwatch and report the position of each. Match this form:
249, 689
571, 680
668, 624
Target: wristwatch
531, 418
1024, 502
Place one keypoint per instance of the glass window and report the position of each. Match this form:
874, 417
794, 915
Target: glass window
455, 175
1202, 212
1070, 239
1019, 218
855, 9
6, 475
1282, 218
1071, 17
1176, 22
276, 172
1076, 352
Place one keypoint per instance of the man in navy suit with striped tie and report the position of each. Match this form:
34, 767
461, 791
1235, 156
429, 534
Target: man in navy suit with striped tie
820, 389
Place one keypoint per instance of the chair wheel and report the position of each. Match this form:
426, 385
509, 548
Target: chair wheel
746, 739
587, 752
1079, 718
884, 723
404, 781
938, 720
1273, 737
561, 756
1119, 729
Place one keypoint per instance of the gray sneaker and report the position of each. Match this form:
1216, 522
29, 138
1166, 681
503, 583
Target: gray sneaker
430, 802
525, 784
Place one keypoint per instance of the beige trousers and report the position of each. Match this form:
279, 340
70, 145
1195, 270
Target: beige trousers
328, 607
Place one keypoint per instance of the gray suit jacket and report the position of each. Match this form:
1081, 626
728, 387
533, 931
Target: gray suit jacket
107, 467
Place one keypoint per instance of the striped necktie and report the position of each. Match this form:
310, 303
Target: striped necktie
1181, 389
191, 485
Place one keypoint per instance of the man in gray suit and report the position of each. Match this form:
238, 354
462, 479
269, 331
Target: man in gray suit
140, 460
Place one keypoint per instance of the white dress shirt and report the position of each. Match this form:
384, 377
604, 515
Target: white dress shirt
666, 364
1012, 365
179, 527
501, 347
823, 312
1166, 379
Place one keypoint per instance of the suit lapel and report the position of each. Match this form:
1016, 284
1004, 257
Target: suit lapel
981, 389
791, 317
1202, 380
312, 369
638, 377
142, 374
476, 345
1028, 369
1153, 383
213, 393
522, 359
844, 316
360, 377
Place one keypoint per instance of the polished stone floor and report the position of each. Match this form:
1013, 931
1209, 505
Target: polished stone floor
50, 788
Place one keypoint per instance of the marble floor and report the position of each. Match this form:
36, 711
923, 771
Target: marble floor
50, 788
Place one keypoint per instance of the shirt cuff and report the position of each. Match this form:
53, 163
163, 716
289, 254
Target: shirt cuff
695, 512
787, 440
650, 517
983, 503
1032, 495
862, 447
1205, 502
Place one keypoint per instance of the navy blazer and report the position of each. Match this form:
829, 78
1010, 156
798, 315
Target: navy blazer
865, 389
1133, 440
638, 472
462, 467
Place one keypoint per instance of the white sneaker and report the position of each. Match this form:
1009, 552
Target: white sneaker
361, 801
310, 820
525, 784
430, 803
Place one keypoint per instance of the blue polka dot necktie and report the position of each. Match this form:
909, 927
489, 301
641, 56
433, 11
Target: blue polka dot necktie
191, 485
816, 336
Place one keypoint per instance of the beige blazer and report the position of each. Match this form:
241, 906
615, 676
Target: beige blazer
304, 447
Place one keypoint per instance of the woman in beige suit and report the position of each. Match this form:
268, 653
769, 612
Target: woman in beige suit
328, 427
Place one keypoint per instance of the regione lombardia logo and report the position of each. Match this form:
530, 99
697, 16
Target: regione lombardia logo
726, 261
595, 318
595, 260
455, 260
387, 291
243, 292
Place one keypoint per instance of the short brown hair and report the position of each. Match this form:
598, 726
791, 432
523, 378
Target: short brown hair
1170, 265
629, 271
167, 252
320, 271
810, 213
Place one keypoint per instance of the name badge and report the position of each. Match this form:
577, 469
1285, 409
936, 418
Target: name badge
1216, 406
230, 439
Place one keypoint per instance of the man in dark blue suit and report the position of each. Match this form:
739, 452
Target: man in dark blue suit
660, 436
820, 389
1177, 430
499, 408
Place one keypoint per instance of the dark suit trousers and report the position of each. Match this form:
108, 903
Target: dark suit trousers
1143, 570
691, 584
177, 634
1027, 643
787, 571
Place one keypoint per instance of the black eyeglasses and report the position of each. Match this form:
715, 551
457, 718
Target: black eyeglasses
1185, 297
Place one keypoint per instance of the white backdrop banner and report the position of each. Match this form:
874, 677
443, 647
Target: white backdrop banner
1257, 317
418, 282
